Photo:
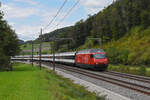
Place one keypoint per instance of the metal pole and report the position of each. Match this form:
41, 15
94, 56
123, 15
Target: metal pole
68, 45
53, 48
32, 52
23, 55
40, 50
100, 42
54, 54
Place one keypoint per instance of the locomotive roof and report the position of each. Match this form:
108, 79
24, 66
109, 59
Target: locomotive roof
91, 51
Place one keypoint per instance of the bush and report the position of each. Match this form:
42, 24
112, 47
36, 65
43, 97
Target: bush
112, 68
142, 71
123, 56
126, 69
131, 58
133, 71
112, 54
145, 58
148, 73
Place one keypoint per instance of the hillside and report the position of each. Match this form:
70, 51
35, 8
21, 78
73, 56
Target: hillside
132, 49
123, 27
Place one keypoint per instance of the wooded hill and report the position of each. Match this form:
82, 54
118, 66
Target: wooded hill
123, 26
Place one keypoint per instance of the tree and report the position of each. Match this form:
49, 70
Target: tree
9, 45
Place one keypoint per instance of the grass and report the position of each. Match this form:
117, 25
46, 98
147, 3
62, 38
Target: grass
27, 48
136, 70
30, 83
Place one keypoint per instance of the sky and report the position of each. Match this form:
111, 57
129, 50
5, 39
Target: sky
27, 17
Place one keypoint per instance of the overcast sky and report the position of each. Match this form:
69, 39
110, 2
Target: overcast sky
27, 16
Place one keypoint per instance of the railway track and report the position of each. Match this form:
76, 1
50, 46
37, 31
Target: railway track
129, 76
132, 86
129, 85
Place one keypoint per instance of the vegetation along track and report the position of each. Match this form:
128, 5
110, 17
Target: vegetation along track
125, 84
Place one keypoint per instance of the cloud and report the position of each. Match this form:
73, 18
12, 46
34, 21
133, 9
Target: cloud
94, 6
12, 11
30, 32
31, 2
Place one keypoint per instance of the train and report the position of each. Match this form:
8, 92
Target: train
89, 58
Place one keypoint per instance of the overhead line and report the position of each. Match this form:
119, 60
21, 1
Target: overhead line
56, 14
67, 13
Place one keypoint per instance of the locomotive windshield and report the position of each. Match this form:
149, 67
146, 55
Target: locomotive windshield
99, 56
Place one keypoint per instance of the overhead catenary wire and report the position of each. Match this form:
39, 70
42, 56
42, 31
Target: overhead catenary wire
55, 15
69, 11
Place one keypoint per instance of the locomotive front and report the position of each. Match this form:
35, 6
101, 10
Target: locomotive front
100, 60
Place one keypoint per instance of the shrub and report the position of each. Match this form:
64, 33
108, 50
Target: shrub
145, 58
121, 68
113, 68
112, 54
148, 73
123, 56
142, 71
131, 58
133, 71
126, 69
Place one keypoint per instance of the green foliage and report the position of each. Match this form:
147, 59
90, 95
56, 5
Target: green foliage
142, 70
8, 44
148, 73
4, 61
112, 53
137, 70
123, 56
132, 49
145, 18
131, 58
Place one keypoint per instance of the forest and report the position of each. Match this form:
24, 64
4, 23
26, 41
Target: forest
123, 26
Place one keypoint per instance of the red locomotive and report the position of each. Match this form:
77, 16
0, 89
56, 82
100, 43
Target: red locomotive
92, 58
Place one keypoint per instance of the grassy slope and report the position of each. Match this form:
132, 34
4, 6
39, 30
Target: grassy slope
29, 83
28, 48
137, 43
